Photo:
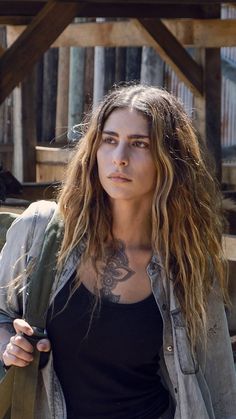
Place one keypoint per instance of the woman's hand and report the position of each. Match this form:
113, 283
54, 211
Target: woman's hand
19, 350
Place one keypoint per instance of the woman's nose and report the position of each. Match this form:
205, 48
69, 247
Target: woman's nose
120, 156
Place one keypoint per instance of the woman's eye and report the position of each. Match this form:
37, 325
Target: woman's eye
109, 140
140, 144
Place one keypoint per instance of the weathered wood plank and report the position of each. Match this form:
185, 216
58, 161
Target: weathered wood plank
62, 94
133, 63
205, 33
120, 64
51, 163
36, 39
3, 106
14, 10
17, 134
76, 86
47, 96
29, 139
88, 79
99, 75
107, 34
208, 33
109, 68
172, 52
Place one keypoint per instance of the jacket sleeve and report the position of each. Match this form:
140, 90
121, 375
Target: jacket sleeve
218, 365
23, 245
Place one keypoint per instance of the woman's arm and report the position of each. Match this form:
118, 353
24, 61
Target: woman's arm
24, 242
23, 246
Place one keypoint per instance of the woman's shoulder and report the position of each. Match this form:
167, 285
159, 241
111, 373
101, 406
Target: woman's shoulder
39, 211
32, 222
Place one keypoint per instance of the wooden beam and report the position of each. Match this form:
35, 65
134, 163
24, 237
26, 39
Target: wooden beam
204, 33
171, 2
208, 33
15, 20
106, 34
22, 9
173, 53
34, 41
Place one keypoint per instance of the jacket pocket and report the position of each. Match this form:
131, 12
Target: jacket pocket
187, 361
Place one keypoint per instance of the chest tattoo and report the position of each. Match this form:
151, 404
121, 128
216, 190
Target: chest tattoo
115, 270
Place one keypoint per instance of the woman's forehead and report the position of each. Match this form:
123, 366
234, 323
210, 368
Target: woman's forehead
126, 117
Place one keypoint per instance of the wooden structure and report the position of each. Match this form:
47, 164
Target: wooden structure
51, 163
38, 24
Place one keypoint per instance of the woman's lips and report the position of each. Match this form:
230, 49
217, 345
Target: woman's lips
118, 178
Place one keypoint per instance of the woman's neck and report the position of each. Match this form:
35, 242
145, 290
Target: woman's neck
132, 224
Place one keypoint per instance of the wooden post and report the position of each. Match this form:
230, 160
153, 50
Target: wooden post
39, 98
99, 75
133, 63
120, 58
152, 67
50, 65
110, 67
99, 72
207, 116
88, 81
62, 94
3, 105
6, 157
76, 86
29, 126
120, 64
18, 171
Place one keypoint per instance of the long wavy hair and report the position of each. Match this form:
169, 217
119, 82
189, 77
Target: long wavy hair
186, 209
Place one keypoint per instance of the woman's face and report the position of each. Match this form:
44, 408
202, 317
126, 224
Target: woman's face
125, 165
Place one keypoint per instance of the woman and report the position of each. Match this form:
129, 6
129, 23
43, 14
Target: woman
136, 322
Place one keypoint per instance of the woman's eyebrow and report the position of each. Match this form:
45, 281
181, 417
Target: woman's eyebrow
110, 133
132, 136
138, 136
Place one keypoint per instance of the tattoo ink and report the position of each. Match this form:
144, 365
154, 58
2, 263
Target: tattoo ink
116, 270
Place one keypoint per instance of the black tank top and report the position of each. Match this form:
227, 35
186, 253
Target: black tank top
110, 370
